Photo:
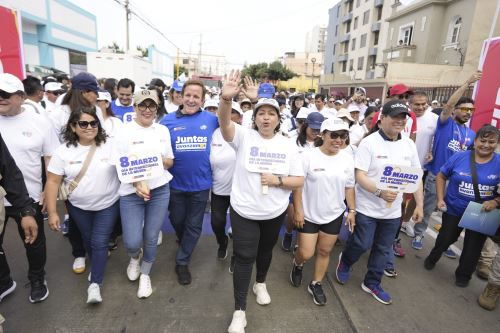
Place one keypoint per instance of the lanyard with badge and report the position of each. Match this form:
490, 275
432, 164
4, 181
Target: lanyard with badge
463, 144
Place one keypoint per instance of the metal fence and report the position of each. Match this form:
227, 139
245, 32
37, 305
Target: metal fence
441, 94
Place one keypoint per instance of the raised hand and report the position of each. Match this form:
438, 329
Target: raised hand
250, 88
232, 85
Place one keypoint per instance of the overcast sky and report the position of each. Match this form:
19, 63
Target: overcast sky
248, 31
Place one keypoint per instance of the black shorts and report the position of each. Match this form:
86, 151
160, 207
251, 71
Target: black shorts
331, 228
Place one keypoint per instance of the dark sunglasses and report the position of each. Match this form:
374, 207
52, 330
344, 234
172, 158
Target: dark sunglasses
466, 109
336, 135
151, 107
85, 124
5, 95
404, 96
55, 93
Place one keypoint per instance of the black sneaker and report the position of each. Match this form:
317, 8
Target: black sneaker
7, 289
296, 274
39, 291
231, 265
390, 272
183, 274
112, 245
317, 293
428, 264
286, 243
222, 251
462, 283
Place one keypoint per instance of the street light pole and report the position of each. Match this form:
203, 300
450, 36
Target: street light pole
313, 60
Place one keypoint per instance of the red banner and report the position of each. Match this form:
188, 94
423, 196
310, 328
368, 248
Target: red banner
487, 94
11, 48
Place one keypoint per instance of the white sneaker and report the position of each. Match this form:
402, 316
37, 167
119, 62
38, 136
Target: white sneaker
145, 289
90, 276
94, 294
134, 268
160, 239
79, 265
407, 228
260, 290
238, 323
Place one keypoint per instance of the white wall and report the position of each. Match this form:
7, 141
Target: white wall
69, 18
34, 7
61, 59
31, 54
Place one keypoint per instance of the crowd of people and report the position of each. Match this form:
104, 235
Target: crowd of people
270, 159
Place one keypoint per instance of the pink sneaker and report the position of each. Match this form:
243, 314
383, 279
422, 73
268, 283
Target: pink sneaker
398, 249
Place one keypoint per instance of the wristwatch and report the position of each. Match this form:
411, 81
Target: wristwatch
27, 211
378, 193
280, 179
352, 211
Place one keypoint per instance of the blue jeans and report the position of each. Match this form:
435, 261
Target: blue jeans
429, 203
377, 234
141, 224
186, 215
95, 228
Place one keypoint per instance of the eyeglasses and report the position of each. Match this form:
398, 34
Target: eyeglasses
55, 93
336, 135
466, 109
403, 96
5, 95
85, 124
151, 107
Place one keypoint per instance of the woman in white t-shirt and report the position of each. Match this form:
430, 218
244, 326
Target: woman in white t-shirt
143, 204
112, 124
93, 204
328, 178
256, 214
222, 160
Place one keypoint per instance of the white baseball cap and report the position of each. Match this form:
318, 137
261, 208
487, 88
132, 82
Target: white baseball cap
268, 101
236, 107
334, 124
211, 103
10, 83
103, 96
353, 108
53, 86
303, 113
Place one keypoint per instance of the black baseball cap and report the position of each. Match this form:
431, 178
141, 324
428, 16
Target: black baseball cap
394, 108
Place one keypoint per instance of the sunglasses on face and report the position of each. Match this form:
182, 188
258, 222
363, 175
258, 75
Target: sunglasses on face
151, 107
5, 95
55, 93
466, 109
336, 135
403, 96
85, 124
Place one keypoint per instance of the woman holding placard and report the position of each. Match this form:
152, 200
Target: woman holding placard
473, 177
259, 199
82, 162
329, 177
378, 209
143, 204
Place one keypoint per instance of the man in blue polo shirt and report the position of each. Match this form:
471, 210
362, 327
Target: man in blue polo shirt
123, 106
191, 131
452, 135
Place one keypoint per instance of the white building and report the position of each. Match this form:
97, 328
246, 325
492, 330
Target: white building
315, 40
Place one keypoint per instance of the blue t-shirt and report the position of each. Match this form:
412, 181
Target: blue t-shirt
460, 189
191, 137
449, 139
125, 113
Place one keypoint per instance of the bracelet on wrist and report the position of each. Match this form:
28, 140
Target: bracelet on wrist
226, 99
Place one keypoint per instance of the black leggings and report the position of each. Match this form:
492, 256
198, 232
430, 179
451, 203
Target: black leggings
473, 244
219, 205
253, 241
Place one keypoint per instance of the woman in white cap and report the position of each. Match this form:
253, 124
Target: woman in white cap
144, 204
112, 123
328, 178
256, 214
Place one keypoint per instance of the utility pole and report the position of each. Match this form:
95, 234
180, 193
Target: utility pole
127, 18
199, 58
313, 60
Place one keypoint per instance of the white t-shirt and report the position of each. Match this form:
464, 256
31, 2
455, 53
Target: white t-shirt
29, 136
356, 133
171, 107
132, 137
222, 160
112, 125
37, 107
247, 119
351, 150
60, 116
98, 189
246, 194
426, 125
373, 153
49, 106
307, 146
326, 178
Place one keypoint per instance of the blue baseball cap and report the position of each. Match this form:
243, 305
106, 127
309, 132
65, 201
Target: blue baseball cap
177, 85
314, 120
266, 90
84, 81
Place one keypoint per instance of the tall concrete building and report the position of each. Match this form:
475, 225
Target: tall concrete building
422, 43
315, 40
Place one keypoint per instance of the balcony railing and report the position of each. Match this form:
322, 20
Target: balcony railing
379, 3
373, 51
376, 26
345, 38
347, 17
342, 57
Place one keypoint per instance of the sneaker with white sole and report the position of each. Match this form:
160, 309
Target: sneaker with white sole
7, 289
94, 294
416, 243
134, 268
160, 239
145, 289
407, 228
79, 265
238, 323
377, 292
260, 290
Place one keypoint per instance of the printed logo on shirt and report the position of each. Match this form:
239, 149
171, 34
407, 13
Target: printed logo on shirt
28, 134
464, 174
203, 127
216, 144
381, 156
492, 177
191, 143
318, 169
179, 128
137, 142
467, 189
75, 162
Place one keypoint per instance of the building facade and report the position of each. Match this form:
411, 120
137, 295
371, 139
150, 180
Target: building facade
307, 66
316, 40
56, 34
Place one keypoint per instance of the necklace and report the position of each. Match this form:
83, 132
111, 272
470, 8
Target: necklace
463, 144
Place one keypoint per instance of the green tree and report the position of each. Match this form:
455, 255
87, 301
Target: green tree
116, 48
274, 71
256, 71
144, 51
182, 69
